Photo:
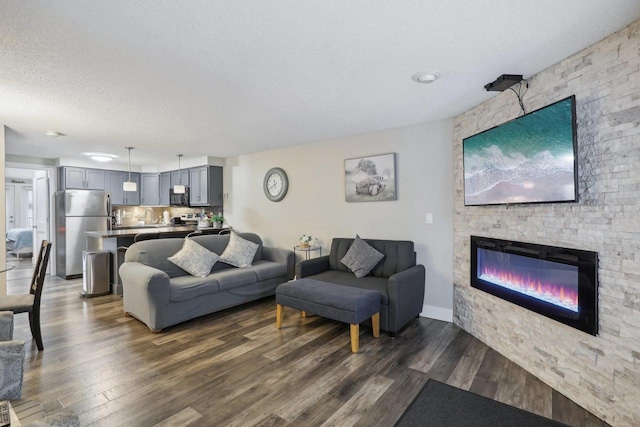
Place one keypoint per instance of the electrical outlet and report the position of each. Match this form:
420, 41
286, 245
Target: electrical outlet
429, 218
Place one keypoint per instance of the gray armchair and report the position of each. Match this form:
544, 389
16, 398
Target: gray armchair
396, 277
11, 359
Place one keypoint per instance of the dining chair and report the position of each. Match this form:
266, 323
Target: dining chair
30, 303
175, 235
145, 236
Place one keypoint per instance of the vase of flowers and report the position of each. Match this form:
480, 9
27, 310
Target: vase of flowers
305, 241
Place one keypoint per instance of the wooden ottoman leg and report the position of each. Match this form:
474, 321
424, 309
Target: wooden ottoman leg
355, 338
279, 316
375, 324
303, 314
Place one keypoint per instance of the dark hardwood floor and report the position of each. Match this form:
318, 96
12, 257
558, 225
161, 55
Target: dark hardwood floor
234, 368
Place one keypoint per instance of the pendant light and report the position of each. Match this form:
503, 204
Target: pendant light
129, 185
179, 189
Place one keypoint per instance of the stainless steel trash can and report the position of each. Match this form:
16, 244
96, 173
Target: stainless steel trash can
95, 273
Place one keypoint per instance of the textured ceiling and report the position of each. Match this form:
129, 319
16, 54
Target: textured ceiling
222, 78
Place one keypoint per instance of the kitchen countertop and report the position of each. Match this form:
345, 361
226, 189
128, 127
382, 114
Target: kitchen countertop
130, 232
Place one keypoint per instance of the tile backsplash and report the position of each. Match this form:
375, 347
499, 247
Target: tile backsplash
130, 215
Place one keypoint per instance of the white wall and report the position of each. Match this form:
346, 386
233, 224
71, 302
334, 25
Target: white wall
3, 231
315, 202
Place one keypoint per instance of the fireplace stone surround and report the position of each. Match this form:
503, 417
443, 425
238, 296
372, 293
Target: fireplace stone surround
601, 373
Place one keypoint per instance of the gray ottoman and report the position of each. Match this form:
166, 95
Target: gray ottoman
342, 303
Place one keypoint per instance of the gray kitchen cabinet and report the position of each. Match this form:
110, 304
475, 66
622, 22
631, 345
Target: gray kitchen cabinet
132, 198
205, 186
81, 178
150, 189
114, 182
114, 187
165, 185
197, 192
180, 178
95, 179
74, 178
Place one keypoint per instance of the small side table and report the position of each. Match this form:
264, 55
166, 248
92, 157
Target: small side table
307, 251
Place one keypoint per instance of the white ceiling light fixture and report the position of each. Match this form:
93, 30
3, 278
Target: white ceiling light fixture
426, 77
129, 185
101, 157
179, 189
53, 133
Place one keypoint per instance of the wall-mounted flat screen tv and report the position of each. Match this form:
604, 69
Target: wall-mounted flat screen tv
531, 159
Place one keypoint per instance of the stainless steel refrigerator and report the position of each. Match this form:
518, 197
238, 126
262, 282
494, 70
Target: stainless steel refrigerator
78, 211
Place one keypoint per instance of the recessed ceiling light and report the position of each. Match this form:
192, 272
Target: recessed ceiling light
53, 133
426, 77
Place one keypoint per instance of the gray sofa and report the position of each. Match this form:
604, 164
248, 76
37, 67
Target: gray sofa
161, 294
396, 277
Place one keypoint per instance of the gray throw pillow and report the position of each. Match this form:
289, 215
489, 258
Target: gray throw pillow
195, 259
361, 258
239, 252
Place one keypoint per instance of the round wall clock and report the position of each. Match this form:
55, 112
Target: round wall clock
275, 184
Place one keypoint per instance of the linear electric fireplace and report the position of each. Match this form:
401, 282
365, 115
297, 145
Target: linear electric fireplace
559, 283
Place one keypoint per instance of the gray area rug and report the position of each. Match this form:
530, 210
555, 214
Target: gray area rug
442, 405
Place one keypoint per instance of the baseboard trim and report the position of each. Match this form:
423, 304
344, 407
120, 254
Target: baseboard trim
437, 313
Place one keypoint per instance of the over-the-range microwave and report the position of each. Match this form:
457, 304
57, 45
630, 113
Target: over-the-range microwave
179, 199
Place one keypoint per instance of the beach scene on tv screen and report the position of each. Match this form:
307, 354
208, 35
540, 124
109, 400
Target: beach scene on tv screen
527, 160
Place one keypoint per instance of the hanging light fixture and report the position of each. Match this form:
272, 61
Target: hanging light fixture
179, 189
129, 185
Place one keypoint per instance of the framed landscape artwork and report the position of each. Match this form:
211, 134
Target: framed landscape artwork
370, 179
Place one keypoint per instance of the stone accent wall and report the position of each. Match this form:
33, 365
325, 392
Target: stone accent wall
601, 373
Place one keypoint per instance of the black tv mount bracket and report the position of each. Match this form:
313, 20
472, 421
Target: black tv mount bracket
506, 81
503, 82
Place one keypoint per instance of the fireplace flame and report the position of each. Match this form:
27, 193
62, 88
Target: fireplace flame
549, 292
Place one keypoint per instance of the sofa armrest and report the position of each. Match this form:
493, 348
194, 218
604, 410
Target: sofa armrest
406, 296
283, 256
142, 280
312, 266
12, 367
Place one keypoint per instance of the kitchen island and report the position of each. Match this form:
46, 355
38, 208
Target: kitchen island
111, 240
